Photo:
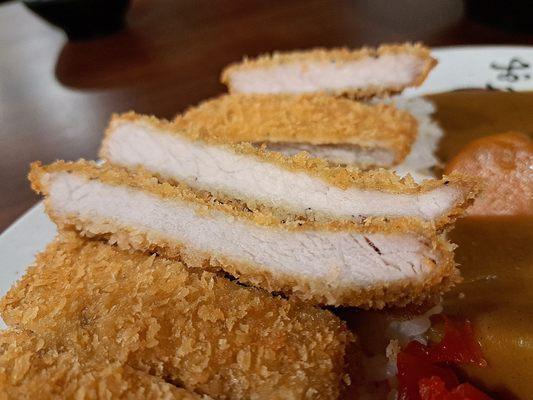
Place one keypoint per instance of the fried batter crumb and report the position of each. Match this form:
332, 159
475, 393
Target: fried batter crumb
31, 369
304, 58
441, 275
317, 120
256, 213
190, 327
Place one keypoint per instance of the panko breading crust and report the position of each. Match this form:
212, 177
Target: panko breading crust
315, 291
339, 55
398, 293
313, 119
342, 177
205, 202
190, 327
32, 369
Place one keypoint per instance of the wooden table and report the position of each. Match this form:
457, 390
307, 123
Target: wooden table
56, 96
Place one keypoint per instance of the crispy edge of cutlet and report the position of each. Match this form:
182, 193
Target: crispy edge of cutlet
162, 317
305, 289
310, 119
443, 273
304, 57
204, 202
341, 177
31, 368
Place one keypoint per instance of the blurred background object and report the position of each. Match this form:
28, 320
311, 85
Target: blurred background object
56, 95
82, 19
511, 15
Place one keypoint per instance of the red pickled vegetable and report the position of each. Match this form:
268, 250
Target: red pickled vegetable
470, 392
413, 365
423, 370
434, 388
458, 345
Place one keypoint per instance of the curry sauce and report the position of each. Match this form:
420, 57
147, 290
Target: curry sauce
495, 254
467, 115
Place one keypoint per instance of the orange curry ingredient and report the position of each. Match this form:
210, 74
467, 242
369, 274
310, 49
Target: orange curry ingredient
504, 165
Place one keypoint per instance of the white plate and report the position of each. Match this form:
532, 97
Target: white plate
498, 67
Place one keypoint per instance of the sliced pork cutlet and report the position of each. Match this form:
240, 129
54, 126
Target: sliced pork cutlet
300, 185
31, 368
360, 73
190, 327
339, 130
336, 263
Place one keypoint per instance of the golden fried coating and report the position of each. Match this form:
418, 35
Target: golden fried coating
261, 215
317, 120
440, 267
338, 55
193, 328
344, 178
31, 369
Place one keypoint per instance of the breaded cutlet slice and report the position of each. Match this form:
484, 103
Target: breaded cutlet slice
301, 185
32, 369
360, 73
336, 263
338, 130
191, 327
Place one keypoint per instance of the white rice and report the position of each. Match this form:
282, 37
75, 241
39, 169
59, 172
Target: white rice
421, 161
382, 367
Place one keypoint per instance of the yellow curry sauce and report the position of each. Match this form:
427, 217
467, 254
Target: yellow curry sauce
495, 254
470, 114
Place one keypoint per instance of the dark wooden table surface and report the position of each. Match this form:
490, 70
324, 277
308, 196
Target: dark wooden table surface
56, 96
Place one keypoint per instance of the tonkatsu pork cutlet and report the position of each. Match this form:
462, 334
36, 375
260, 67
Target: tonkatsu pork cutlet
359, 73
32, 369
301, 185
337, 263
193, 328
338, 130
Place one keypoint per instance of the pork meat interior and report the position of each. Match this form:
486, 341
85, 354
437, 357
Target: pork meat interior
300, 184
338, 263
364, 72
